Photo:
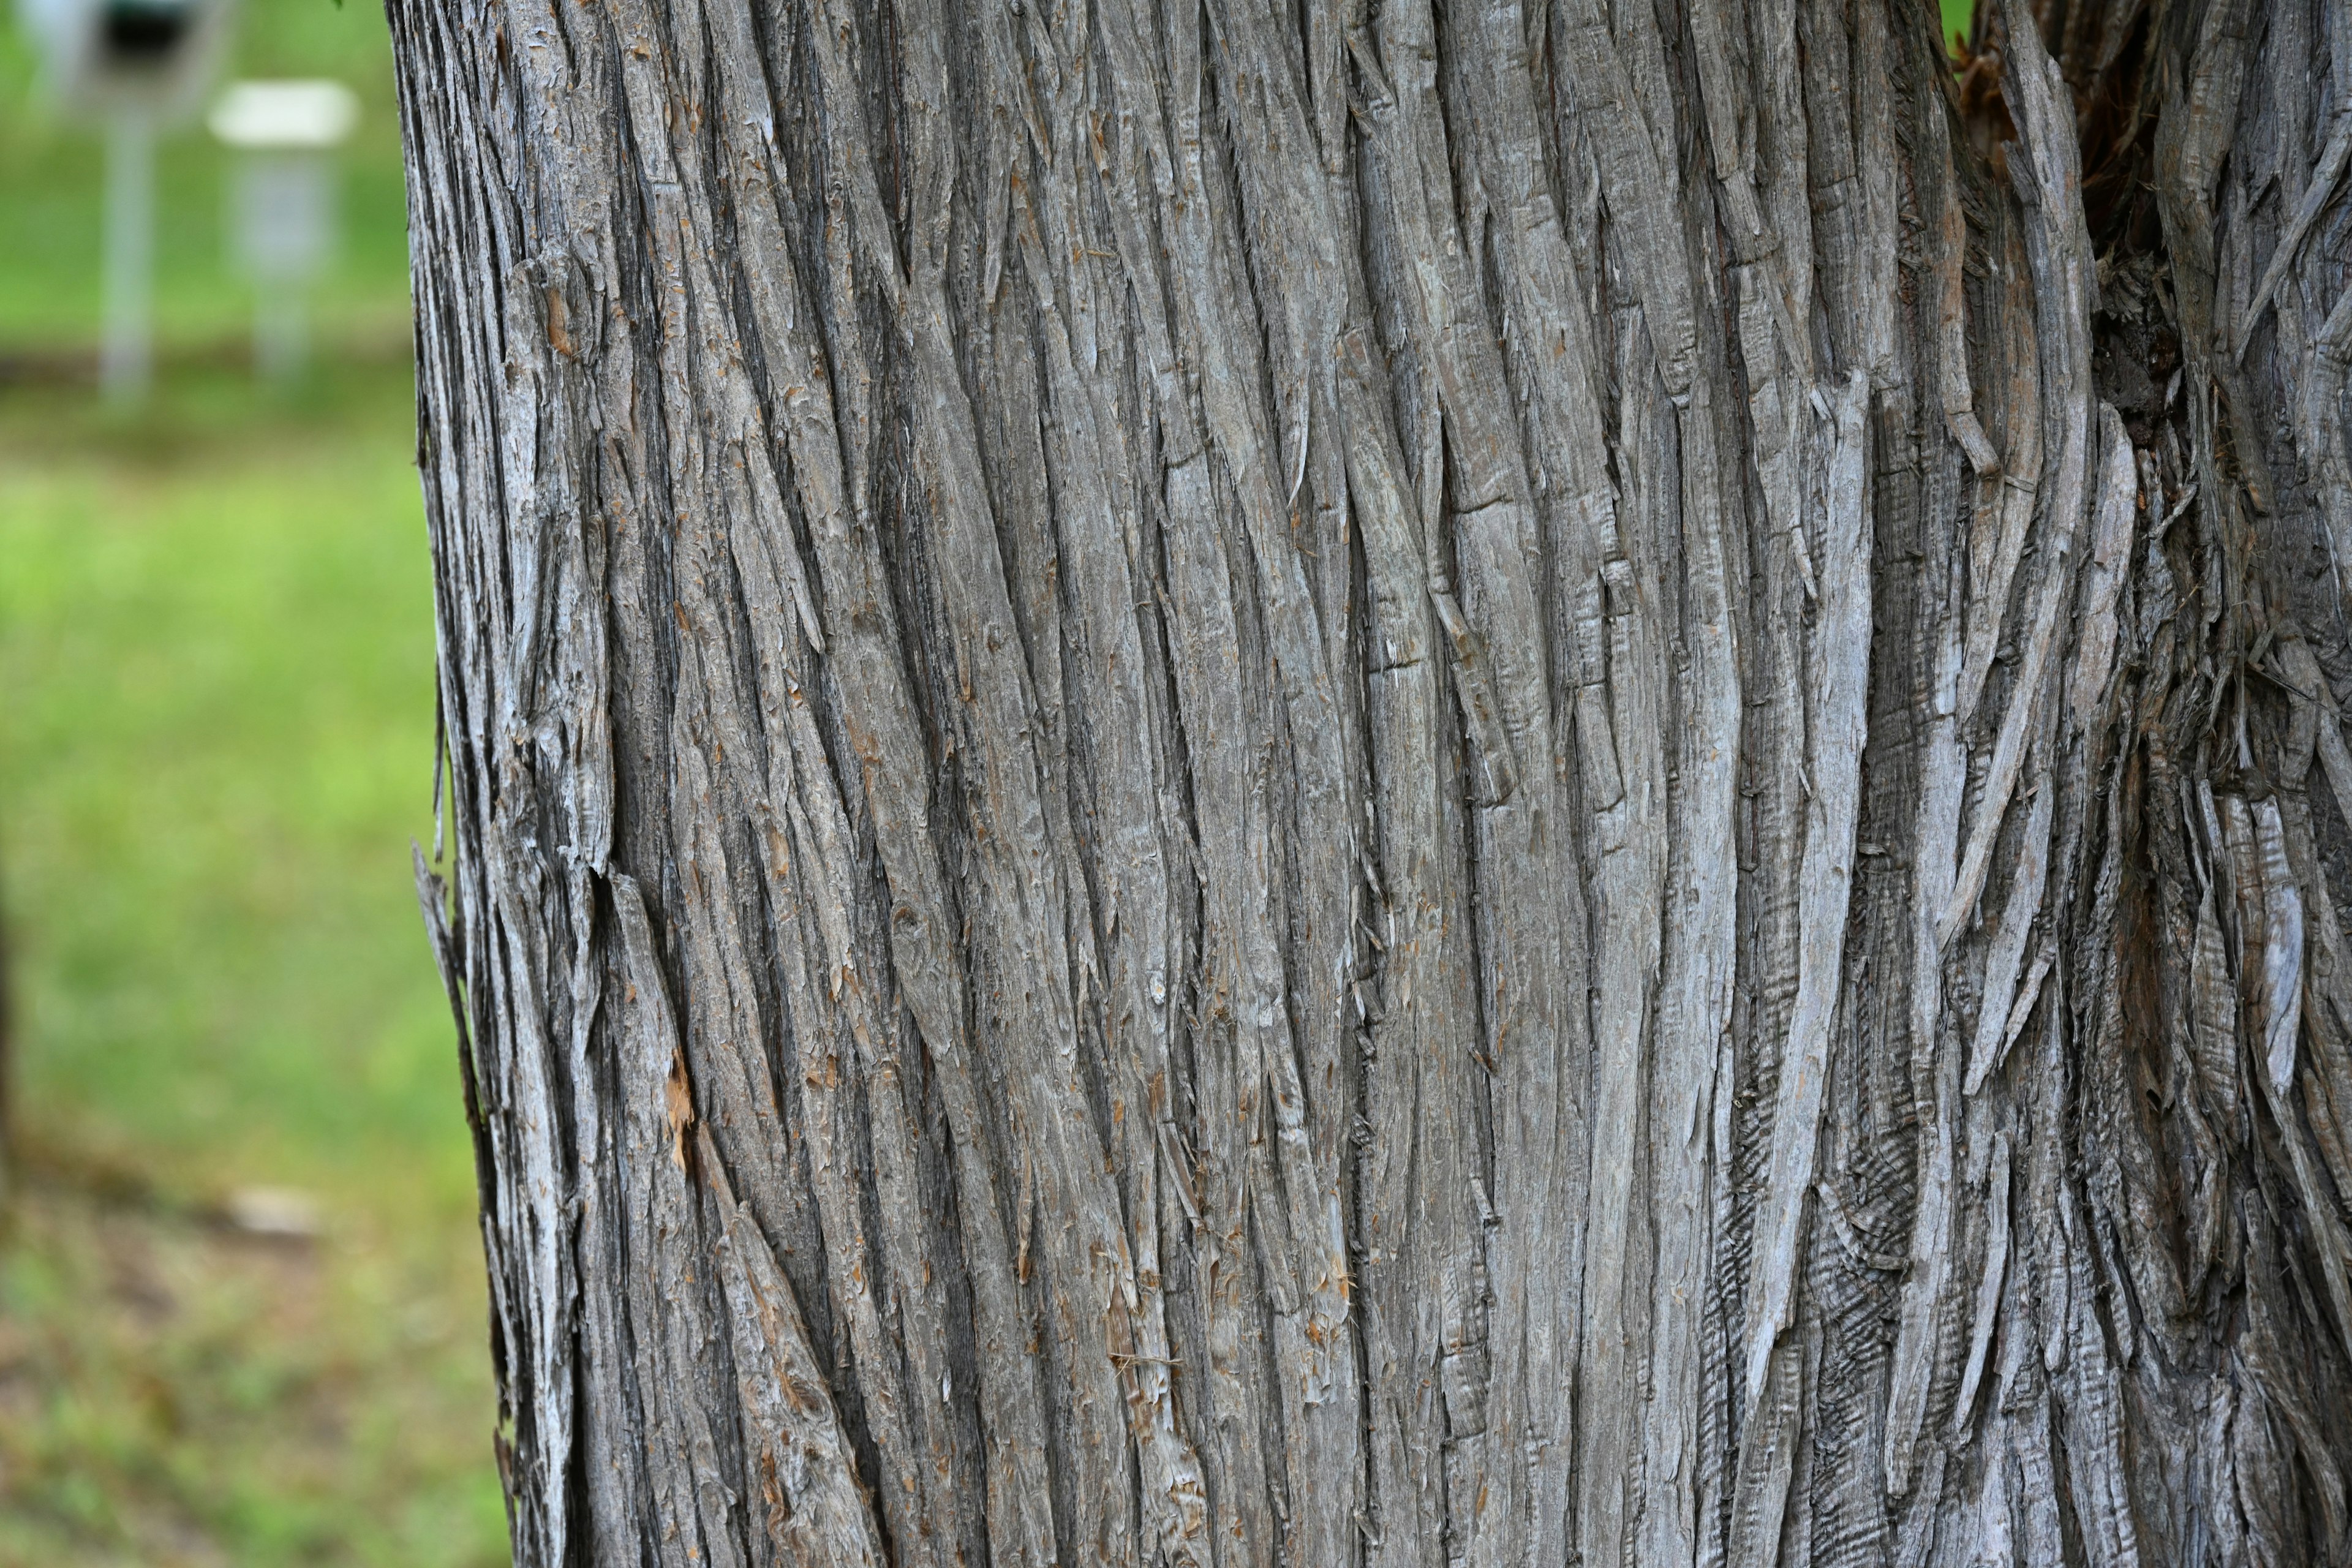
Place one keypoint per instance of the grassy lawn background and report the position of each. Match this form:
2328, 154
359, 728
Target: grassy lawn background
215, 708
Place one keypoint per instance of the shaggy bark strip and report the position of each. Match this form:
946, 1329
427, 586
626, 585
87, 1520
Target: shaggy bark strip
1398, 783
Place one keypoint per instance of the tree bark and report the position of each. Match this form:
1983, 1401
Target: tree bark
1391, 784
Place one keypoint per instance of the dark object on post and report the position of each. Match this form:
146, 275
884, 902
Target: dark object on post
145, 59
145, 32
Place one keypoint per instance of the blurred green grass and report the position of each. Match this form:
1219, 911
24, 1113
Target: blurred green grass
1957, 15
216, 710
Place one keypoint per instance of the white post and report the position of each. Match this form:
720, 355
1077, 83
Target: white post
127, 362
281, 335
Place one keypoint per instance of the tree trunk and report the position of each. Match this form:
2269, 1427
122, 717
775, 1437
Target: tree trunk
1392, 783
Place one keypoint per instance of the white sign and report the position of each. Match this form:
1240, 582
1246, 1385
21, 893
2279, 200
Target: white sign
282, 202
284, 116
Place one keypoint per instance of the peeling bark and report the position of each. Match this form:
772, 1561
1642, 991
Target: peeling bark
1397, 783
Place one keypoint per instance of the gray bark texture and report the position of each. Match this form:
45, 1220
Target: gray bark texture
1392, 783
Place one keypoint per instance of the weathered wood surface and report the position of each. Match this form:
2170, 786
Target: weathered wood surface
1397, 783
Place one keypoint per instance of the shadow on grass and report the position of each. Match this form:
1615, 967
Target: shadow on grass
174, 1389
